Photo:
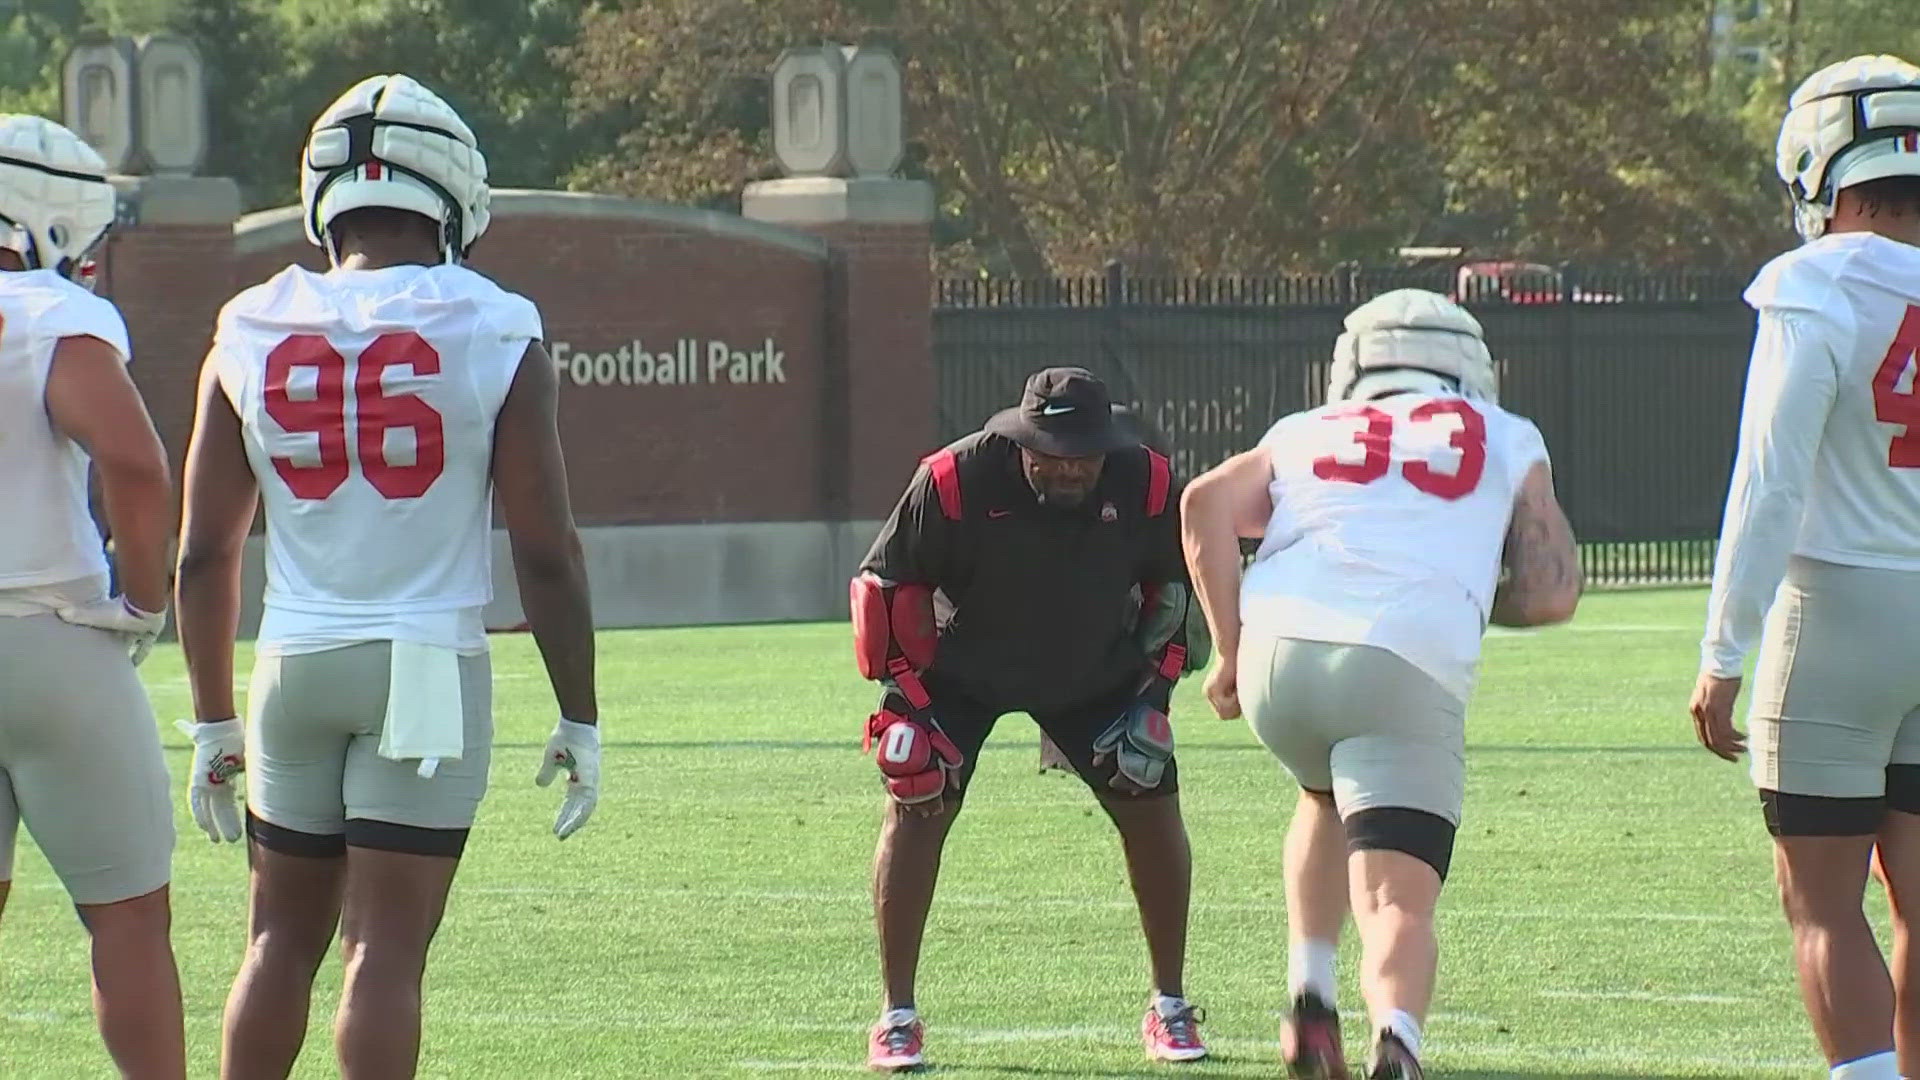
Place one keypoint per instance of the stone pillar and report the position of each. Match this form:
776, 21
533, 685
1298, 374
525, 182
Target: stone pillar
880, 327
169, 268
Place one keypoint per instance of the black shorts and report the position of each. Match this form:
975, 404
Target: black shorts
1073, 728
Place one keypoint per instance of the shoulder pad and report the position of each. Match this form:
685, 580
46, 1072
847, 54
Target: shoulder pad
63, 309
258, 297
516, 318
511, 315
1803, 279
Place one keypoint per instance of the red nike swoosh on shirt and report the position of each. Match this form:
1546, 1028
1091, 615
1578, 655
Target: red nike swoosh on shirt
998, 513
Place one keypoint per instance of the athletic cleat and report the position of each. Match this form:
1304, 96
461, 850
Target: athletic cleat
1173, 1038
1392, 1060
897, 1047
1310, 1040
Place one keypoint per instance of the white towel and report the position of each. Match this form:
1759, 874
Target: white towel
425, 720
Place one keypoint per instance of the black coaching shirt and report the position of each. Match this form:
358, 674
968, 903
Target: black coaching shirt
1042, 598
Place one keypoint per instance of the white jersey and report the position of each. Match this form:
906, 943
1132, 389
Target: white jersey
1389, 518
368, 400
50, 538
1829, 459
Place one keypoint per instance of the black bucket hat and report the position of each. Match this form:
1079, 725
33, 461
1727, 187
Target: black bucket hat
1065, 412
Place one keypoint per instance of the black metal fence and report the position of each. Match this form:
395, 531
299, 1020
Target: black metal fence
1634, 379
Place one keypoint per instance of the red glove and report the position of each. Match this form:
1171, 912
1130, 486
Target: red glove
915, 756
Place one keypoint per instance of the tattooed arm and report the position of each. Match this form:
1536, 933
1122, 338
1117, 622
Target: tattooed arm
1542, 582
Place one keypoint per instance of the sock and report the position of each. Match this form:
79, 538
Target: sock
1403, 1024
1168, 1006
899, 1016
1882, 1066
1310, 968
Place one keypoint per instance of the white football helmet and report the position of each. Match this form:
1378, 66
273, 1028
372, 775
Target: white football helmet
1848, 123
55, 202
1411, 341
391, 142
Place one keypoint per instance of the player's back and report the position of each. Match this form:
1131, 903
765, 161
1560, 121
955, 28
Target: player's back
1860, 294
368, 400
1388, 523
50, 537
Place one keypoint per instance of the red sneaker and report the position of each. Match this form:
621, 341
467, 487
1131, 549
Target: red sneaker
1173, 1038
896, 1047
1310, 1041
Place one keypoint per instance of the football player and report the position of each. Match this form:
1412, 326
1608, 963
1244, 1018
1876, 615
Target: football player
374, 409
80, 760
1820, 557
1385, 518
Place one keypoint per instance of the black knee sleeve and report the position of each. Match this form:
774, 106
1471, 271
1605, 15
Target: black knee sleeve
284, 841
1820, 815
1903, 788
406, 839
1427, 837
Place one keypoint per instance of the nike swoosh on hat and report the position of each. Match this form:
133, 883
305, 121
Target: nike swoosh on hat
1056, 410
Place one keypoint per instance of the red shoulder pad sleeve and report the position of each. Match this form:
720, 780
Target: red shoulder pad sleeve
1159, 482
946, 481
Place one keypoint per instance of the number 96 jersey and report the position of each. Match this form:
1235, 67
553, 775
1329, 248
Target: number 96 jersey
1388, 522
367, 399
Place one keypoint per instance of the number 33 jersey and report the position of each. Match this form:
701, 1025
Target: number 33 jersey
1388, 522
1829, 459
367, 399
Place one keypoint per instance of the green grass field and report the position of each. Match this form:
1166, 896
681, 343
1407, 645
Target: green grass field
1610, 914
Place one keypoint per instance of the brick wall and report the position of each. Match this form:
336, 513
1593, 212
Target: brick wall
811, 380
890, 397
169, 281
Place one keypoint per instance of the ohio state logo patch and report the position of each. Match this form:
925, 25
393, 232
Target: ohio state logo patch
1108, 513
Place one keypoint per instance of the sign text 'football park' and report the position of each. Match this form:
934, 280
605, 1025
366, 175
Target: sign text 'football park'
689, 362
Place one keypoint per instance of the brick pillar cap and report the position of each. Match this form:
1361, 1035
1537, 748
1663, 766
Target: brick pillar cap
179, 200
830, 200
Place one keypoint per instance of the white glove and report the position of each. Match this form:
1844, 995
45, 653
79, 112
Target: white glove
116, 614
575, 749
219, 755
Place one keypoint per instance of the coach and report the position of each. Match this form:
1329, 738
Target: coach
1039, 532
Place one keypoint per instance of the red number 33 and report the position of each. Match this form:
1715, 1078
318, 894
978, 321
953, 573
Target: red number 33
1377, 437
324, 415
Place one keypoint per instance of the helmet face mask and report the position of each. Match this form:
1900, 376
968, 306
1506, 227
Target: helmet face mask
390, 142
56, 205
1848, 123
1411, 341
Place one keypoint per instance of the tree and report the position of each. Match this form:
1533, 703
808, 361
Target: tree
273, 66
34, 37
1591, 138
251, 115
1061, 132
1220, 135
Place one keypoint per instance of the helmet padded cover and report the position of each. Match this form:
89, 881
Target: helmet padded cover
414, 132
1829, 115
65, 215
1408, 336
